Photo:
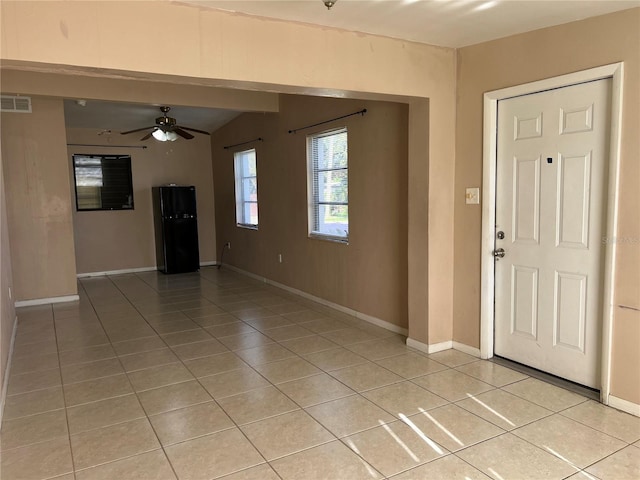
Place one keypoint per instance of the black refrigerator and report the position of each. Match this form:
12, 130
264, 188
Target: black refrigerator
176, 225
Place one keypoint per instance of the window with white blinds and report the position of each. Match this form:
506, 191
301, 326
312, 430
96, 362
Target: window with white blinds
327, 157
103, 182
246, 175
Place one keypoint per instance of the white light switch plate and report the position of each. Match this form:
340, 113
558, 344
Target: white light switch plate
472, 196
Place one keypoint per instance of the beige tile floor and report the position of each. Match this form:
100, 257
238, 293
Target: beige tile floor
213, 375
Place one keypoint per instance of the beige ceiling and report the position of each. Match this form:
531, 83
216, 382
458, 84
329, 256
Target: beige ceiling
449, 23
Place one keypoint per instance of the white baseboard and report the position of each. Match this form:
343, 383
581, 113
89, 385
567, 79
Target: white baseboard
624, 405
7, 370
116, 272
245, 273
433, 348
473, 351
133, 270
349, 311
45, 301
423, 347
376, 321
439, 347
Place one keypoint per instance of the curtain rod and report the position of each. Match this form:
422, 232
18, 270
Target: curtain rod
259, 139
361, 112
108, 146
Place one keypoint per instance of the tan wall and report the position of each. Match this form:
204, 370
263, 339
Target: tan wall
117, 240
38, 201
219, 48
223, 49
370, 273
7, 310
525, 58
181, 92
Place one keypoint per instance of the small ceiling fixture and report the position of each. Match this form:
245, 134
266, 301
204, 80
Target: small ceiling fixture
329, 3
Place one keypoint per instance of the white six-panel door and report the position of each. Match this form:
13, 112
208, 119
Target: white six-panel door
550, 206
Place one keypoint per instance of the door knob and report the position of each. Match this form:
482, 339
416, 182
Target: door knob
498, 253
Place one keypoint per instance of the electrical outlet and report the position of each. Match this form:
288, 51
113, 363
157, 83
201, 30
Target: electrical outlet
229, 245
279, 258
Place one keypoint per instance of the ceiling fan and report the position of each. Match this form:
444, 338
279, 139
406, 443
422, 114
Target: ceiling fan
166, 129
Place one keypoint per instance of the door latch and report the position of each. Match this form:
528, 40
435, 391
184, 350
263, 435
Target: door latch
500, 235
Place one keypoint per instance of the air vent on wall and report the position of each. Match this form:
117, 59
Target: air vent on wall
12, 103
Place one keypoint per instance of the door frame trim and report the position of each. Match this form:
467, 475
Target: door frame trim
614, 71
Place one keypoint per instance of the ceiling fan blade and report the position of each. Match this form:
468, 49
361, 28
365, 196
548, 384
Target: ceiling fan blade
194, 130
148, 135
136, 130
182, 133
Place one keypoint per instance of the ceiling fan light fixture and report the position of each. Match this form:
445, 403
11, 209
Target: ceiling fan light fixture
171, 136
159, 135
166, 129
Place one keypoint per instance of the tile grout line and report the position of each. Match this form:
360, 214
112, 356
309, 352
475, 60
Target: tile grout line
243, 295
373, 362
578, 469
591, 427
64, 398
483, 419
236, 425
239, 427
135, 392
213, 433
358, 393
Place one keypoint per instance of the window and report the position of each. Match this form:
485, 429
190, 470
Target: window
103, 182
328, 185
246, 189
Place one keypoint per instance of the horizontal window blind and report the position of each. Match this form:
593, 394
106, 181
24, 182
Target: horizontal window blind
103, 182
246, 179
329, 184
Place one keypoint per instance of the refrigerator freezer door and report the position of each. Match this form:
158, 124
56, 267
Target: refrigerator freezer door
178, 202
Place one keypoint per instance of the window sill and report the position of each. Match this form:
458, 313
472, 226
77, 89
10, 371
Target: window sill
329, 238
247, 227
